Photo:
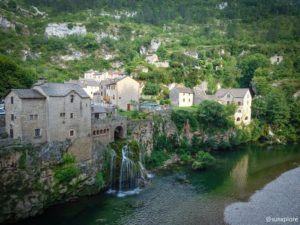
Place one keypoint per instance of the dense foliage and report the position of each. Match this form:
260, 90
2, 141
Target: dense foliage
13, 76
68, 170
231, 44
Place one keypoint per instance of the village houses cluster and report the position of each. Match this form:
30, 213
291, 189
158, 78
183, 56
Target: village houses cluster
87, 107
185, 97
72, 110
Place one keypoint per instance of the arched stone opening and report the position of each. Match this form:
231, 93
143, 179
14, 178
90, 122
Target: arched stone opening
119, 133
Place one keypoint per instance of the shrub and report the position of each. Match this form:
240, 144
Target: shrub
179, 117
203, 160
151, 88
68, 170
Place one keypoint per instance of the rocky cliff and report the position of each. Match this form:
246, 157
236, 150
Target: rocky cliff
33, 178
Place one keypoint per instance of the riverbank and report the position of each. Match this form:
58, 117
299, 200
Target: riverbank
278, 199
181, 195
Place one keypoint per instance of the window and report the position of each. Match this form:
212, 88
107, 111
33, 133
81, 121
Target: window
12, 117
183, 100
94, 132
37, 132
239, 111
113, 97
228, 102
12, 100
101, 131
246, 118
119, 97
72, 133
71, 98
62, 114
97, 132
97, 115
101, 93
33, 117
239, 103
189, 100
228, 95
238, 119
71, 115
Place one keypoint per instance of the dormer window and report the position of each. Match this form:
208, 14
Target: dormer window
71, 98
11, 100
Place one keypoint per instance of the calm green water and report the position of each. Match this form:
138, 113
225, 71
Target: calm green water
202, 200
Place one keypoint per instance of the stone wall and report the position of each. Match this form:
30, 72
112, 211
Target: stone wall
103, 130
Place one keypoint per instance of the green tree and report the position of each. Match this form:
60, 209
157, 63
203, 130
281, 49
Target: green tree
212, 115
249, 64
13, 76
151, 88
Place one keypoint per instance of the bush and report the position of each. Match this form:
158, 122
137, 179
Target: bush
180, 117
203, 160
157, 158
67, 170
151, 88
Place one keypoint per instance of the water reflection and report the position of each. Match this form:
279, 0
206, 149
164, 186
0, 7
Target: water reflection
239, 173
236, 177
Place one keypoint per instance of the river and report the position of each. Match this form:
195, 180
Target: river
182, 196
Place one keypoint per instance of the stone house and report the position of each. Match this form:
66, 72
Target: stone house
90, 86
122, 92
242, 98
25, 116
181, 96
48, 112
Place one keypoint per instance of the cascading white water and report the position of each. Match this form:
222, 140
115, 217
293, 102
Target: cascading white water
112, 171
128, 181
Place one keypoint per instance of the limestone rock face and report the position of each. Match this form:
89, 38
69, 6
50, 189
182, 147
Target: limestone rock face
29, 181
154, 45
6, 24
62, 30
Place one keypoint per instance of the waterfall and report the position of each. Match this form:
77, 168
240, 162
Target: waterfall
112, 170
128, 180
132, 173
143, 172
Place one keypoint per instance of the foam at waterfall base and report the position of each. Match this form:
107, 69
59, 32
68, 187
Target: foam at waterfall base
111, 191
150, 175
130, 192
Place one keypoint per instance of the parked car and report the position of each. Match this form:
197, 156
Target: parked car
150, 107
2, 111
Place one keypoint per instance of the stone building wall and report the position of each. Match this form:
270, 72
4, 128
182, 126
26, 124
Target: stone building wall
103, 130
59, 127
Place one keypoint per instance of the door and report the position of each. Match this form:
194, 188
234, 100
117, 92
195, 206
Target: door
128, 107
11, 133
